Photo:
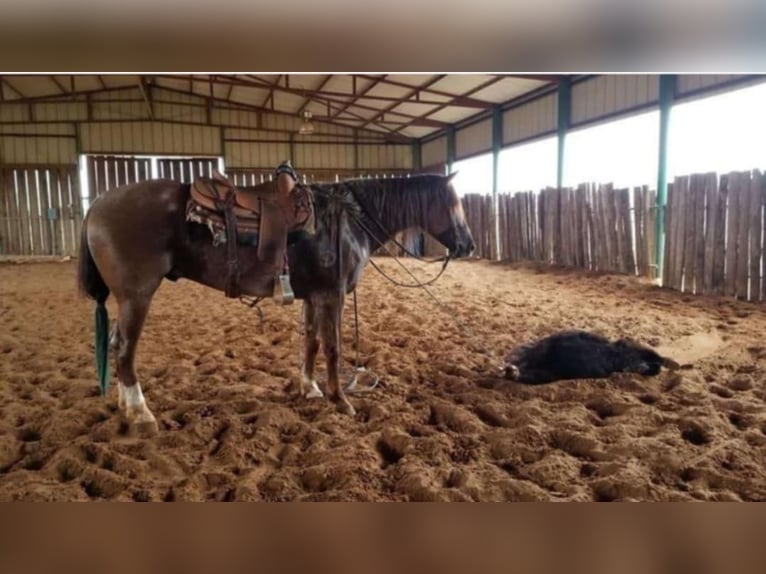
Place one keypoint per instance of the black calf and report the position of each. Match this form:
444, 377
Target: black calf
580, 355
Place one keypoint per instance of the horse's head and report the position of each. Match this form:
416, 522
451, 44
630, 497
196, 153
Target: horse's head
446, 221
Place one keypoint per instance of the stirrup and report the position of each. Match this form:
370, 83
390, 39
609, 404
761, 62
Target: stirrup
283, 292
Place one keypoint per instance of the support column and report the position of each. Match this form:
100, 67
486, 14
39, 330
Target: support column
667, 94
356, 154
565, 114
417, 161
497, 144
450, 148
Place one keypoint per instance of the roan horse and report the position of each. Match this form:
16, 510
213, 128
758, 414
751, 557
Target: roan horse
136, 235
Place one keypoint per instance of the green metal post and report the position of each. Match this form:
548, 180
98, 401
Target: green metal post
565, 114
450, 148
497, 144
667, 92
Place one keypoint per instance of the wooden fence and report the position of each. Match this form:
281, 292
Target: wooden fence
715, 231
40, 210
591, 227
715, 235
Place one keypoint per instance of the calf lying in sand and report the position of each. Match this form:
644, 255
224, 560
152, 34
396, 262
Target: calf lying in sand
580, 355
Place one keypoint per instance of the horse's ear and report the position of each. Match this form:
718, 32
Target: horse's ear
451, 176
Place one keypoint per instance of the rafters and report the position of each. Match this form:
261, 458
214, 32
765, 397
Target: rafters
59, 85
355, 103
12, 88
405, 98
470, 92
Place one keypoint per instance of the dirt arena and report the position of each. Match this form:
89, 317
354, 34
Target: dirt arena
441, 426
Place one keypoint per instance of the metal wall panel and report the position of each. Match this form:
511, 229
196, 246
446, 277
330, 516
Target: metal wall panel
255, 155
19, 150
15, 112
609, 95
150, 138
323, 156
61, 112
691, 83
434, 152
473, 139
537, 117
384, 157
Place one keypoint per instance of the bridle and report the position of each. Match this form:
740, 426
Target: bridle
390, 237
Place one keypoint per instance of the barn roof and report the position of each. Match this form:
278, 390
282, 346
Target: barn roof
403, 105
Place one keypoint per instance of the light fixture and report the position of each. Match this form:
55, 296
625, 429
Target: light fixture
306, 127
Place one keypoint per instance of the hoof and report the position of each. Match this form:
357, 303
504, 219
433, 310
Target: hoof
345, 408
310, 390
142, 423
144, 429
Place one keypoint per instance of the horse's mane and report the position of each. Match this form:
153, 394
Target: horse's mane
400, 202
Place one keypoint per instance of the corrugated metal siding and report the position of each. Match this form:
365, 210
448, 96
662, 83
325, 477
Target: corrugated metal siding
607, 95
239, 118
473, 139
323, 156
434, 152
248, 154
37, 150
14, 112
689, 83
177, 111
385, 157
61, 112
526, 121
150, 138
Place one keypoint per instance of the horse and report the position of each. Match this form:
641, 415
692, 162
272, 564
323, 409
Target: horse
136, 235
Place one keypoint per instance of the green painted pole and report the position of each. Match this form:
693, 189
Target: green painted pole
565, 114
667, 92
450, 148
497, 144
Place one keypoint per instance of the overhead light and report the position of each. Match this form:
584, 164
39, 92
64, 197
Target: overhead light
306, 127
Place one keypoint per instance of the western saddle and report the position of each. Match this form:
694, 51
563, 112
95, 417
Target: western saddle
260, 216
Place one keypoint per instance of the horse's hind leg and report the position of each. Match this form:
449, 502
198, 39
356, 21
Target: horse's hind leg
309, 388
132, 313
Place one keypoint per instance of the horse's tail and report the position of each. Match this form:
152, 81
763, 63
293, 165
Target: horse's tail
92, 284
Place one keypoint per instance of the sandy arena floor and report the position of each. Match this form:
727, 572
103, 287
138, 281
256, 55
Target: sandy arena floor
440, 427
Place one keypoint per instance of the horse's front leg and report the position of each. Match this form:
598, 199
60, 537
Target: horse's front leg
308, 385
330, 320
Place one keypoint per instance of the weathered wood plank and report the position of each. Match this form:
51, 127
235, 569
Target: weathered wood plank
682, 204
711, 214
719, 240
756, 185
699, 232
742, 235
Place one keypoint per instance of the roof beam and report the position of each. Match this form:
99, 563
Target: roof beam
370, 86
444, 105
12, 88
551, 78
405, 98
252, 107
270, 95
59, 85
145, 96
317, 89
458, 99
58, 97
319, 98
